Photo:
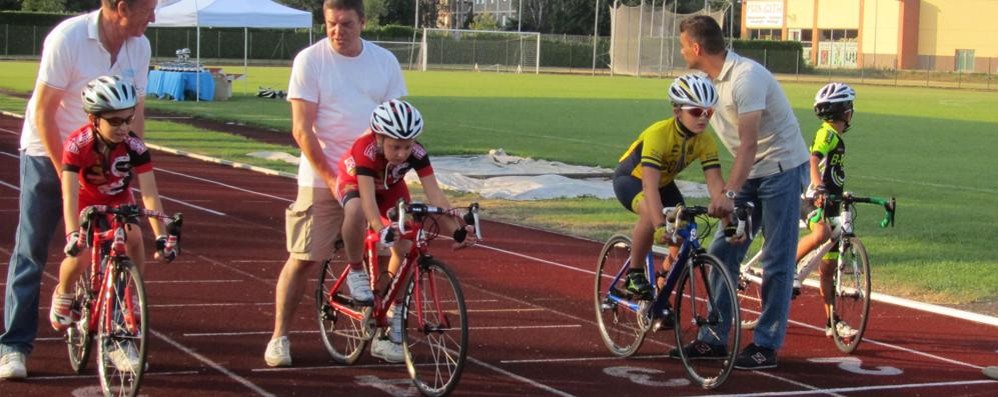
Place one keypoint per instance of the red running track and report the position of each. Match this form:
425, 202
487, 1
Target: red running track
529, 296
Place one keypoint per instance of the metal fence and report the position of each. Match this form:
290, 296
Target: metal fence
559, 54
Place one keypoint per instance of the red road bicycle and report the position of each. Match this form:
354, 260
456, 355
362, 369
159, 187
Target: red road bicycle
110, 300
434, 317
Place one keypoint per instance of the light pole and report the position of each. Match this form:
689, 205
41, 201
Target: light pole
519, 17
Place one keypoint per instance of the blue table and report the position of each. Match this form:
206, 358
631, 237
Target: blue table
180, 85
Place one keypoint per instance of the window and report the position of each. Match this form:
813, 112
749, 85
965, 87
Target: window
965, 60
765, 34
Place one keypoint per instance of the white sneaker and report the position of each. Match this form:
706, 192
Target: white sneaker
395, 324
360, 285
125, 358
387, 350
12, 366
278, 352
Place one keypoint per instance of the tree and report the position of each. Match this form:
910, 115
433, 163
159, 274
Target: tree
484, 21
44, 5
373, 9
82, 5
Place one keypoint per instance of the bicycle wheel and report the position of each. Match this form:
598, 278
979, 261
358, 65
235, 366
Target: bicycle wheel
621, 325
852, 295
344, 336
707, 312
78, 336
436, 328
750, 295
122, 332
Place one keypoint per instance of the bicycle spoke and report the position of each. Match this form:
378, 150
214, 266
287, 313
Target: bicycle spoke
436, 332
707, 321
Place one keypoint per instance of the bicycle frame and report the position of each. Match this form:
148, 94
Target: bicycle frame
409, 230
690, 244
103, 264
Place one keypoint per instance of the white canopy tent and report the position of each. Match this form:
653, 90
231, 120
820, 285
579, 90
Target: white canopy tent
230, 14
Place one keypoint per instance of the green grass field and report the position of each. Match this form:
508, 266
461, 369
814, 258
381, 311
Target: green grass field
927, 147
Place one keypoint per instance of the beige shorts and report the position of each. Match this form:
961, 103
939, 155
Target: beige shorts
312, 224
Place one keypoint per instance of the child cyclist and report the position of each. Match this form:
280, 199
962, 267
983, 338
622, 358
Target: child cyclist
370, 181
833, 104
644, 179
99, 161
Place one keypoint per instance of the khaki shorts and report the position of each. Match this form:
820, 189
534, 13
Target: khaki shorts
312, 224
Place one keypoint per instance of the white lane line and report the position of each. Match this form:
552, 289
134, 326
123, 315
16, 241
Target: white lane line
523, 379
225, 185
252, 333
861, 389
192, 281
189, 305
582, 359
990, 320
185, 203
218, 367
536, 309
198, 356
74, 377
325, 367
10, 186
11, 155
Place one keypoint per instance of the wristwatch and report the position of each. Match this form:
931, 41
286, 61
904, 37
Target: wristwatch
730, 194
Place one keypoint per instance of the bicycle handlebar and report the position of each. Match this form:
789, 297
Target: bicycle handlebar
173, 223
420, 210
890, 205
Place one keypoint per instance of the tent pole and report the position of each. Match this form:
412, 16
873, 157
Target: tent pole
245, 58
197, 80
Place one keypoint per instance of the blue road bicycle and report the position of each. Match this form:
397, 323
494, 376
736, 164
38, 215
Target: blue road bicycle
686, 298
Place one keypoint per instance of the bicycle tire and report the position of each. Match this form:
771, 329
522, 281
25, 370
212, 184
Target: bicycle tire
122, 332
435, 345
749, 295
344, 336
620, 326
707, 310
78, 336
852, 294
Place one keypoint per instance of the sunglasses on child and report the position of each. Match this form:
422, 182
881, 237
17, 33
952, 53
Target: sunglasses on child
118, 121
699, 112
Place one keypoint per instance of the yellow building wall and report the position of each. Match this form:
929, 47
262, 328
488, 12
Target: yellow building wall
838, 14
880, 27
947, 25
800, 14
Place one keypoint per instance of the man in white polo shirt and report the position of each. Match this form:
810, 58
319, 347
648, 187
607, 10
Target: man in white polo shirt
755, 123
108, 41
335, 85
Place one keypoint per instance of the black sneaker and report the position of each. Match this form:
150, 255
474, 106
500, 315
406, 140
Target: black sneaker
637, 284
755, 357
700, 350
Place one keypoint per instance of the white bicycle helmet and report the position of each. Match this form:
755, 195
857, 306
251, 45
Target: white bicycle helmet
397, 119
107, 94
692, 90
833, 100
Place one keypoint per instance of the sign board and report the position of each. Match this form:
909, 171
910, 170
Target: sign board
764, 14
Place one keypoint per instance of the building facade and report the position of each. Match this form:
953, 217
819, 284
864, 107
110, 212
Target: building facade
942, 35
453, 14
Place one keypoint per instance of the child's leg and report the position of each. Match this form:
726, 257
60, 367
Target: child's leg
134, 247
70, 270
827, 289
353, 231
641, 242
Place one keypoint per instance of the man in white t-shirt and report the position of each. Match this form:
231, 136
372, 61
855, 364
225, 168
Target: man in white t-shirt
755, 123
108, 41
335, 85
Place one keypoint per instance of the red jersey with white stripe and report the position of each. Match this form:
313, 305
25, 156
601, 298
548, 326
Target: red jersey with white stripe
105, 176
364, 158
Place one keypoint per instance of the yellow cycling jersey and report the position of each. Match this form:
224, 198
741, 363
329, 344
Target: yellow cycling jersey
664, 147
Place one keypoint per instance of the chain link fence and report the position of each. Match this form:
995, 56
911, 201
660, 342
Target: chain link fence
559, 54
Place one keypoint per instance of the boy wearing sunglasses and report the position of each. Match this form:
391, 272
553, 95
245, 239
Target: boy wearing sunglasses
833, 105
99, 161
644, 181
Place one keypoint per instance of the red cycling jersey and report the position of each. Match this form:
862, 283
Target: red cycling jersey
104, 177
364, 158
